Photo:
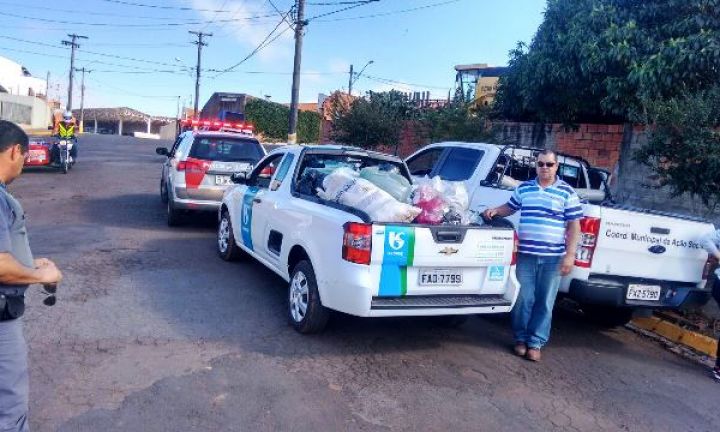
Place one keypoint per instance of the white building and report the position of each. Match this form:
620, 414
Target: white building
16, 79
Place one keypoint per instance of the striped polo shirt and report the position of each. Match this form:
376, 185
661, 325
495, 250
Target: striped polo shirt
544, 214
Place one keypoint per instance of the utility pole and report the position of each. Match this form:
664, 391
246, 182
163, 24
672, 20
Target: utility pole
47, 87
300, 24
73, 44
82, 98
200, 35
351, 80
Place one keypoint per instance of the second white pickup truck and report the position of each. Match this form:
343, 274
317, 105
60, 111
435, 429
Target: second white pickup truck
335, 258
628, 258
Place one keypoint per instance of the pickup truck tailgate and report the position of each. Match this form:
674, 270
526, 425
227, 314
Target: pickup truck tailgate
646, 245
417, 260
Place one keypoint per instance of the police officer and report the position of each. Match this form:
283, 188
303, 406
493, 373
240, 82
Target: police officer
66, 130
18, 270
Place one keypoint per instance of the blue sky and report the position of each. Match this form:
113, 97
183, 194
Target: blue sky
418, 48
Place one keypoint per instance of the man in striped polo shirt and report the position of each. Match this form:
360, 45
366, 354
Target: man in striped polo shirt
549, 231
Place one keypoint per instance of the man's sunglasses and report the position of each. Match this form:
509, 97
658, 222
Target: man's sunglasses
50, 290
545, 164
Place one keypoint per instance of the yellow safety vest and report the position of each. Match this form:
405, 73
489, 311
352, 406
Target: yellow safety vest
66, 131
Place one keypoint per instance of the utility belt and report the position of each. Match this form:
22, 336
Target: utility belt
11, 306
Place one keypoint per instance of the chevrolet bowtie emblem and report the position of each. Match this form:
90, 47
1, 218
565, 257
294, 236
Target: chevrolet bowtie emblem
448, 251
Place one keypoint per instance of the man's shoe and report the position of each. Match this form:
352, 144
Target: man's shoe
520, 349
533, 354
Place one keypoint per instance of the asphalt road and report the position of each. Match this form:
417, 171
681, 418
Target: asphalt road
153, 332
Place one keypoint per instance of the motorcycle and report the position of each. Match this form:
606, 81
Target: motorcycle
65, 160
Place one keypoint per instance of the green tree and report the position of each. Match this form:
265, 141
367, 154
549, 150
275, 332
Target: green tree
271, 120
683, 147
374, 120
455, 122
601, 60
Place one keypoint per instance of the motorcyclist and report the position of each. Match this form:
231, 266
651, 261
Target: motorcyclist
66, 131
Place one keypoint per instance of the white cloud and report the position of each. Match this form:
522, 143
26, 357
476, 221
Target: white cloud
249, 33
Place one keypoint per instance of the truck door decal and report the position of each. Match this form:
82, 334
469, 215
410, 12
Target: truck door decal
246, 216
398, 255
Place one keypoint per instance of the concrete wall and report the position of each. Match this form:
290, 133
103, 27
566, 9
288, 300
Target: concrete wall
28, 111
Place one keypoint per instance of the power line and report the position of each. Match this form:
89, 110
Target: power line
382, 14
265, 42
85, 12
358, 4
391, 81
128, 92
152, 6
32, 52
150, 25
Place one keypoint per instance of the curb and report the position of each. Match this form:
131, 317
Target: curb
698, 342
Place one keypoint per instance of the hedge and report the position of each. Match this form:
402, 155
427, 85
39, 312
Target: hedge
271, 120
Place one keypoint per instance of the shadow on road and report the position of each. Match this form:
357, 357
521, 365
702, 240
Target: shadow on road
246, 303
140, 210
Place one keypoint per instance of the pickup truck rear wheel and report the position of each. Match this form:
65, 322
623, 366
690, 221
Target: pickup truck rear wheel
227, 248
607, 316
450, 321
306, 312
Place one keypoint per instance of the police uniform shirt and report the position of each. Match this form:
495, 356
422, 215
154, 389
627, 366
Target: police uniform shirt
13, 237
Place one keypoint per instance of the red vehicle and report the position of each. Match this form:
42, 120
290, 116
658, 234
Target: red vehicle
50, 152
39, 152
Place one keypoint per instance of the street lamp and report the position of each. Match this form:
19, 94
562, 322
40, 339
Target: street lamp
354, 77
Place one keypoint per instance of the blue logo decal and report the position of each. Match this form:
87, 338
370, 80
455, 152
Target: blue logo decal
398, 255
246, 217
657, 249
496, 273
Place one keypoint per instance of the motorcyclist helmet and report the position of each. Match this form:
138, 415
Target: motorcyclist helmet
67, 116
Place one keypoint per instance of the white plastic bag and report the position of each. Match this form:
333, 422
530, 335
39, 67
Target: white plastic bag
391, 182
345, 187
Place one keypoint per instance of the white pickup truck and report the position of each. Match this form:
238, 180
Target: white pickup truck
335, 258
628, 258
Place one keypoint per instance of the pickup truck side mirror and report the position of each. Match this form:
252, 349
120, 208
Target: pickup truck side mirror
162, 151
239, 177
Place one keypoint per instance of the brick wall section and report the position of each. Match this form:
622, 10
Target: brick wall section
599, 144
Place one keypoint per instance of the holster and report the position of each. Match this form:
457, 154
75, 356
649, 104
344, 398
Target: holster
11, 307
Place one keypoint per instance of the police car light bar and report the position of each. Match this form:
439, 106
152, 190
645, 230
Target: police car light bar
247, 128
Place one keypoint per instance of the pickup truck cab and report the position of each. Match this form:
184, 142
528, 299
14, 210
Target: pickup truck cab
627, 259
335, 258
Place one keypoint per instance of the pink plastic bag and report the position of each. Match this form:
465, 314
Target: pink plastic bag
426, 198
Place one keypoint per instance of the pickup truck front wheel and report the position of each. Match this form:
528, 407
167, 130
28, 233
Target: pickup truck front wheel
306, 313
226, 246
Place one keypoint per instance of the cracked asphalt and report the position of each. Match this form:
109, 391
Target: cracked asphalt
153, 332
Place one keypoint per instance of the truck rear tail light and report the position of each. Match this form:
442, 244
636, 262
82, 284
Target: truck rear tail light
357, 243
589, 231
516, 242
195, 170
710, 266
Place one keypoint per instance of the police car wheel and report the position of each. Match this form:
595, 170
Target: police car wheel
173, 215
227, 248
163, 192
305, 310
